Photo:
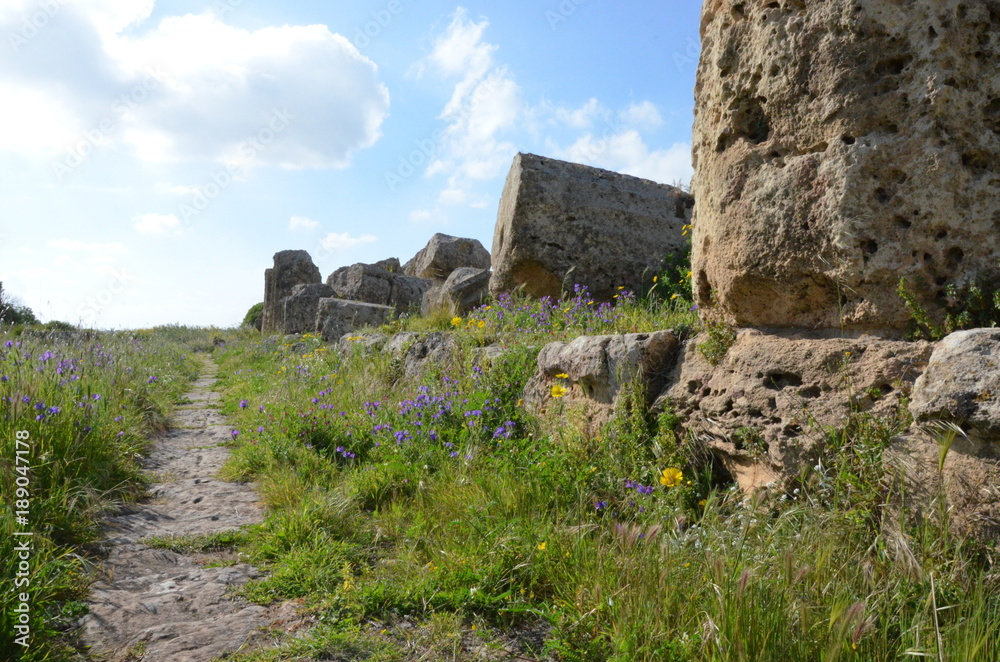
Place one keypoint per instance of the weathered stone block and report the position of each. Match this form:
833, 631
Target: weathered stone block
764, 409
562, 224
337, 317
300, 307
465, 289
291, 268
373, 284
596, 369
840, 146
443, 254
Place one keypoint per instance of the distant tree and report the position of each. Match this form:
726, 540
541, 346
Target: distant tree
13, 312
255, 316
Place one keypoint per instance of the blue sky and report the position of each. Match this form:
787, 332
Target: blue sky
155, 154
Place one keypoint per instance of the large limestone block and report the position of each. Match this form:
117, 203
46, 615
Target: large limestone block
443, 254
562, 224
300, 307
337, 317
291, 268
465, 289
961, 386
840, 146
596, 369
765, 407
373, 284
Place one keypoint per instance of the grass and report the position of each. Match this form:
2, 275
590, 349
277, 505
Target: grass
88, 404
439, 503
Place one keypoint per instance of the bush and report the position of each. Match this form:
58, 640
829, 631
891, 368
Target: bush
255, 316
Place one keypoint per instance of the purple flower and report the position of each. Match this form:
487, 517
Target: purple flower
262, 408
234, 433
600, 505
9, 344
433, 435
96, 396
54, 410
151, 380
243, 404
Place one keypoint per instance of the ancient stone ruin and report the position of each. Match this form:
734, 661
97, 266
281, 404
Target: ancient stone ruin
562, 224
450, 273
839, 147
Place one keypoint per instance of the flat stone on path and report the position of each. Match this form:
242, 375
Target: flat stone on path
167, 604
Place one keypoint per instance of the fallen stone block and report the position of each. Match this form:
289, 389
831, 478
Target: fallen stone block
337, 317
444, 254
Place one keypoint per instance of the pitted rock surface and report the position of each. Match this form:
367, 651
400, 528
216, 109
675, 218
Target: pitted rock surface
178, 608
839, 147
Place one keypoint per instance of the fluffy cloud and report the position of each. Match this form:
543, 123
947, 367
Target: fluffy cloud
334, 242
157, 225
191, 87
486, 103
302, 223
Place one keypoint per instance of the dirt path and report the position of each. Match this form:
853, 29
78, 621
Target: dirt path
159, 606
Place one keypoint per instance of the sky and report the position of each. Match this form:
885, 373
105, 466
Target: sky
155, 154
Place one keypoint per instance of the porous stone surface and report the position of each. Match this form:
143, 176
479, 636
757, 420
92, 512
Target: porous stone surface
839, 147
434, 349
961, 385
373, 284
337, 317
562, 224
465, 289
290, 268
764, 408
596, 368
390, 264
299, 308
443, 254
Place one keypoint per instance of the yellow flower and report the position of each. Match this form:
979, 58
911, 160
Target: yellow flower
621, 287
562, 375
559, 391
455, 321
671, 477
656, 278
673, 296
481, 324
520, 402
703, 503
541, 547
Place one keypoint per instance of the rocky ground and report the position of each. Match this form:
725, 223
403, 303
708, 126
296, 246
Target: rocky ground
154, 604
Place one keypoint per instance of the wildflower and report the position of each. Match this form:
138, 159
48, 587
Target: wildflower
151, 380
656, 279
541, 547
456, 321
481, 324
562, 375
600, 505
244, 404
234, 433
559, 391
96, 396
671, 477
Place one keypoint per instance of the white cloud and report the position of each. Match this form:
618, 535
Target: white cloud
421, 215
643, 115
190, 87
484, 106
94, 253
157, 225
582, 117
627, 152
302, 223
343, 241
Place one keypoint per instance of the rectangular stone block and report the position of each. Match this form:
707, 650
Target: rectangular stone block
336, 317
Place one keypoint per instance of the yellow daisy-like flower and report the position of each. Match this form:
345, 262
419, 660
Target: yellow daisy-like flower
562, 375
541, 547
671, 477
481, 324
656, 279
559, 391
456, 321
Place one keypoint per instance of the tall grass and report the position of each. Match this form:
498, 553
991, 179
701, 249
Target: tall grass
439, 500
89, 404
